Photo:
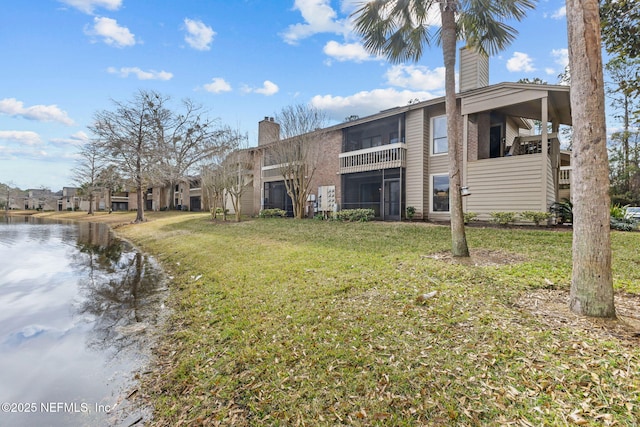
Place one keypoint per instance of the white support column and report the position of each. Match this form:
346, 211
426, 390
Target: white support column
544, 108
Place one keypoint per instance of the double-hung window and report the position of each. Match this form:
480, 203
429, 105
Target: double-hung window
440, 193
439, 141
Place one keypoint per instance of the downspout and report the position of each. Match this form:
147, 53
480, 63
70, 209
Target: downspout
465, 151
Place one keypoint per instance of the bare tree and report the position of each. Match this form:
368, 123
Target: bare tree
8, 194
592, 282
299, 153
87, 171
235, 173
212, 186
130, 137
188, 139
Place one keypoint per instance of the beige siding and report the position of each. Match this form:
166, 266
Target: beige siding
551, 191
489, 100
509, 184
474, 69
417, 177
511, 133
439, 164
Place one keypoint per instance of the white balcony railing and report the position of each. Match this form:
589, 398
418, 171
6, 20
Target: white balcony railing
565, 175
530, 144
382, 157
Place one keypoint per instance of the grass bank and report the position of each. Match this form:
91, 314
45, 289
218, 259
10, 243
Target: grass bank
283, 322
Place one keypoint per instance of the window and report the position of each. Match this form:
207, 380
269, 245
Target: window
440, 193
439, 143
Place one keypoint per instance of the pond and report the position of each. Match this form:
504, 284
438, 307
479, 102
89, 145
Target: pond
78, 308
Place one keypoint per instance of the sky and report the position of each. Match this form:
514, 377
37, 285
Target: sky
63, 61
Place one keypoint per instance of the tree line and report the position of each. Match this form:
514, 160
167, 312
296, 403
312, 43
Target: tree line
620, 20
147, 141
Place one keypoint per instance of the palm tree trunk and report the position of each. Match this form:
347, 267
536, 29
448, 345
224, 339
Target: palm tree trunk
459, 246
591, 283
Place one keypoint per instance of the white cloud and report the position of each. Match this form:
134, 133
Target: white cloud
319, 17
42, 113
78, 139
366, 102
199, 35
217, 85
347, 52
141, 74
113, 34
561, 57
560, 13
23, 137
520, 62
87, 6
416, 77
268, 88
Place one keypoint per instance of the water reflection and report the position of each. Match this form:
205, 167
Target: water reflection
75, 307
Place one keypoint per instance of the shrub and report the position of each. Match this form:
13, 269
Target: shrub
617, 211
410, 212
470, 217
355, 215
622, 224
503, 218
563, 211
535, 216
272, 213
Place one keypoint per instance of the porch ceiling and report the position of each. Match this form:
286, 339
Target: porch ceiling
521, 100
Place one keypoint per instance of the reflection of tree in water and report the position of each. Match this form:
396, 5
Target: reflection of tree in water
121, 288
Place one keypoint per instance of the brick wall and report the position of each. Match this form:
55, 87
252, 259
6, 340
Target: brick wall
329, 164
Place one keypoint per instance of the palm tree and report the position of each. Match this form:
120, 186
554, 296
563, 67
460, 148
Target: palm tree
399, 29
591, 282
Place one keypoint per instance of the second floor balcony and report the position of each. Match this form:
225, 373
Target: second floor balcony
375, 158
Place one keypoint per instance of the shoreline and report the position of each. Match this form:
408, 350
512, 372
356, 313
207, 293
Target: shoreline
133, 406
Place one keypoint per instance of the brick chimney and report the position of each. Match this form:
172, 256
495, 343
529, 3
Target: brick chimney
268, 131
474, 69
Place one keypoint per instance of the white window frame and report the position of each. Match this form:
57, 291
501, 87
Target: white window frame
431, 194
431, 137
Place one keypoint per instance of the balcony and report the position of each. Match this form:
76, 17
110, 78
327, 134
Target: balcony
531, 144
383, 157
565, 175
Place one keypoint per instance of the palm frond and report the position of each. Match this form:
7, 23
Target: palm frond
397, 29
482, 22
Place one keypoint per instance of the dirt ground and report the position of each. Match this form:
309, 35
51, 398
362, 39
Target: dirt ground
551, 306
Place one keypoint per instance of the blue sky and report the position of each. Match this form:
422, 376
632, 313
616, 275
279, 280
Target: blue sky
64, 60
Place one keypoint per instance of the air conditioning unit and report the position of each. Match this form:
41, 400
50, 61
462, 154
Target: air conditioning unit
327, 198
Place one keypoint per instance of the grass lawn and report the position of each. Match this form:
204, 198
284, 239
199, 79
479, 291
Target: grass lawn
284, 322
